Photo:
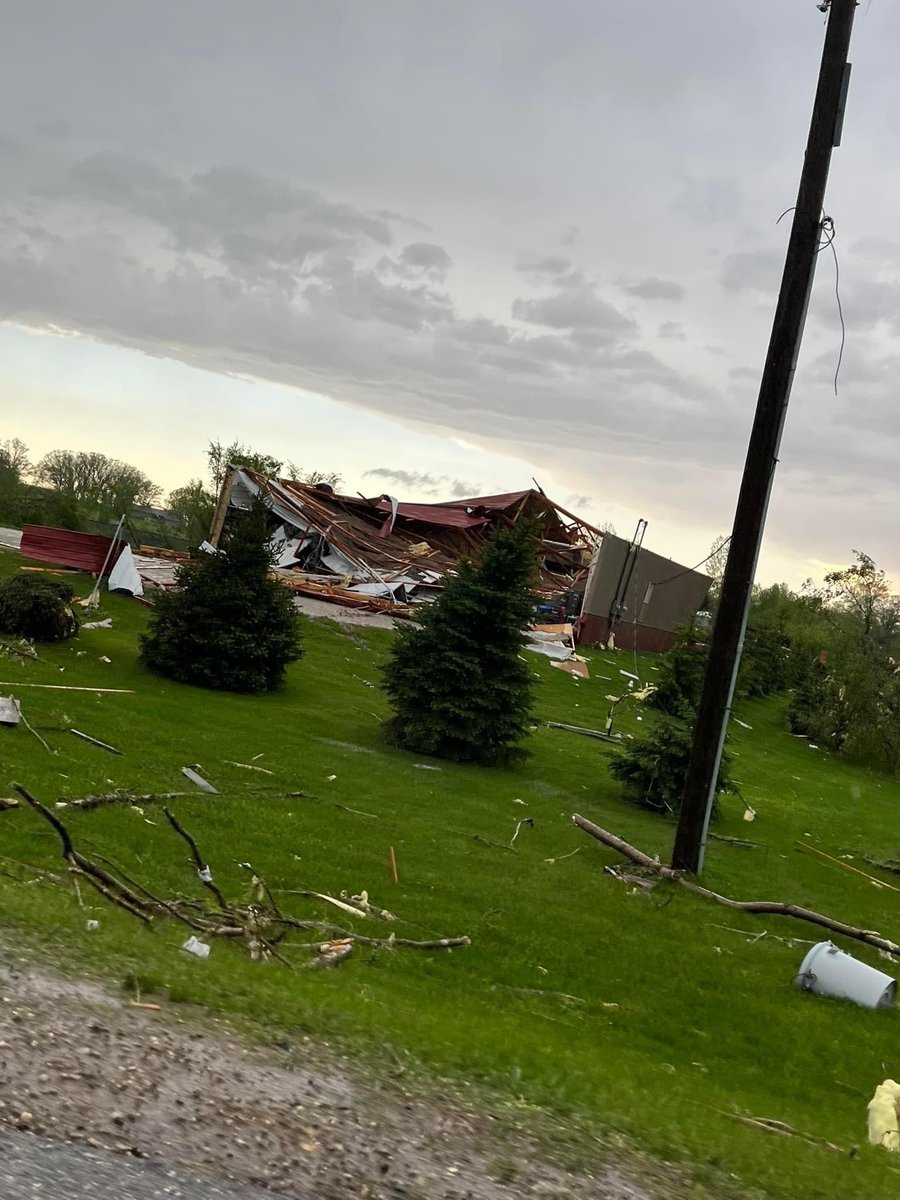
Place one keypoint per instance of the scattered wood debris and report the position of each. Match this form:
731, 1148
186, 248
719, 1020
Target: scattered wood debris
781, 1129
805, 848
122, 797
526, 821
747, 843
757, 907
248, 767
86, 737
61, 687
638, 881
10, 711
260, 924
594, 733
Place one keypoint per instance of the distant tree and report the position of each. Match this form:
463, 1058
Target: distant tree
236, 454
715, 567
14, 457
101, 487
332, 478
194, 506
863, 594
219, 457
228, 626
14, 466
456, 680
848, 696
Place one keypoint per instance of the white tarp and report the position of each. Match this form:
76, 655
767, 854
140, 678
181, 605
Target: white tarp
551, 649
124, 575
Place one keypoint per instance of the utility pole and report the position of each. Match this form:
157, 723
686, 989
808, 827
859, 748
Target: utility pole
727, 638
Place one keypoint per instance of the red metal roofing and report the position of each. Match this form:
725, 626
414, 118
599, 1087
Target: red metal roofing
504, 500
432, 514
66, 548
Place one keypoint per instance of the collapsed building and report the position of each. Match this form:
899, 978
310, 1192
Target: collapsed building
390, 555
387, 555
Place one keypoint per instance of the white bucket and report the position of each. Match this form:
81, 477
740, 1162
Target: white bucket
828, 971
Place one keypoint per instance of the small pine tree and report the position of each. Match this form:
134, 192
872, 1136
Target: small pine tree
653, 768
457, 682
229, 626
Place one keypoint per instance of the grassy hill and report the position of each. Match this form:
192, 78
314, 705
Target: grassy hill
635, 1016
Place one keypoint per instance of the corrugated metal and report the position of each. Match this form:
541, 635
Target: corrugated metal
434, 514
66, 548
504, 500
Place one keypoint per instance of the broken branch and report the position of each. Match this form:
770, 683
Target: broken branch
203, 870
757, 907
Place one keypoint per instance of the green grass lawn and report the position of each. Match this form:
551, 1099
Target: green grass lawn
679, 1021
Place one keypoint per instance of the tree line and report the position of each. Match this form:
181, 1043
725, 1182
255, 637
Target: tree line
831, 649
74, 489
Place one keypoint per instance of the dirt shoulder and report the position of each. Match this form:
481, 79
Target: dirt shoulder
80, 1064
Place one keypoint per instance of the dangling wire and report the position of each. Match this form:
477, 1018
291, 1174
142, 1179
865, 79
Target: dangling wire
829, 233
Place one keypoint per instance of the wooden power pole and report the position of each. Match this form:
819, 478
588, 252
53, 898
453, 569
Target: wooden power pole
727, 638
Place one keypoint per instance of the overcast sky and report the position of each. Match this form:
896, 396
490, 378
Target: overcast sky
441, 247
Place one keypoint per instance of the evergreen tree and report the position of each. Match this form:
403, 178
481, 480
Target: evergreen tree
229, 626
459, 687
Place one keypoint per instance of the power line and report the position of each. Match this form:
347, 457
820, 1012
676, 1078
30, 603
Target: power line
701, 563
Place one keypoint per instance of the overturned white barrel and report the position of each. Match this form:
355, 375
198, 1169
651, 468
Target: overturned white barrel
828, 971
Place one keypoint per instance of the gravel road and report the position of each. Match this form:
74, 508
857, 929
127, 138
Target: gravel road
33, 1167
122, 1102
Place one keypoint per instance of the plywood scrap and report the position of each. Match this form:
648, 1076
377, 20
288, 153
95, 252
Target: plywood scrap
757, 907
574, 667
10, 712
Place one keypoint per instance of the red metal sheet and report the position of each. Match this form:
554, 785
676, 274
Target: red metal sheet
433, 514
505, 500
67, 548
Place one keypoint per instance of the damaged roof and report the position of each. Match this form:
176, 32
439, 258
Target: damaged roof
396, 552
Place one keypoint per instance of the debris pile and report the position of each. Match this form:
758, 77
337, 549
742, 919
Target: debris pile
259, 923
385, 555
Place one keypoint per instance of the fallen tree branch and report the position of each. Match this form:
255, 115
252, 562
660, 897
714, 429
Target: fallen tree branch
34, 732
891, 866
87, 802
757, 907
781, 1129
260, 924
203, 871
102, 881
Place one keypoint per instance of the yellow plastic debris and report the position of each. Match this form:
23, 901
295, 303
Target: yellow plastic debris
884, 1107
